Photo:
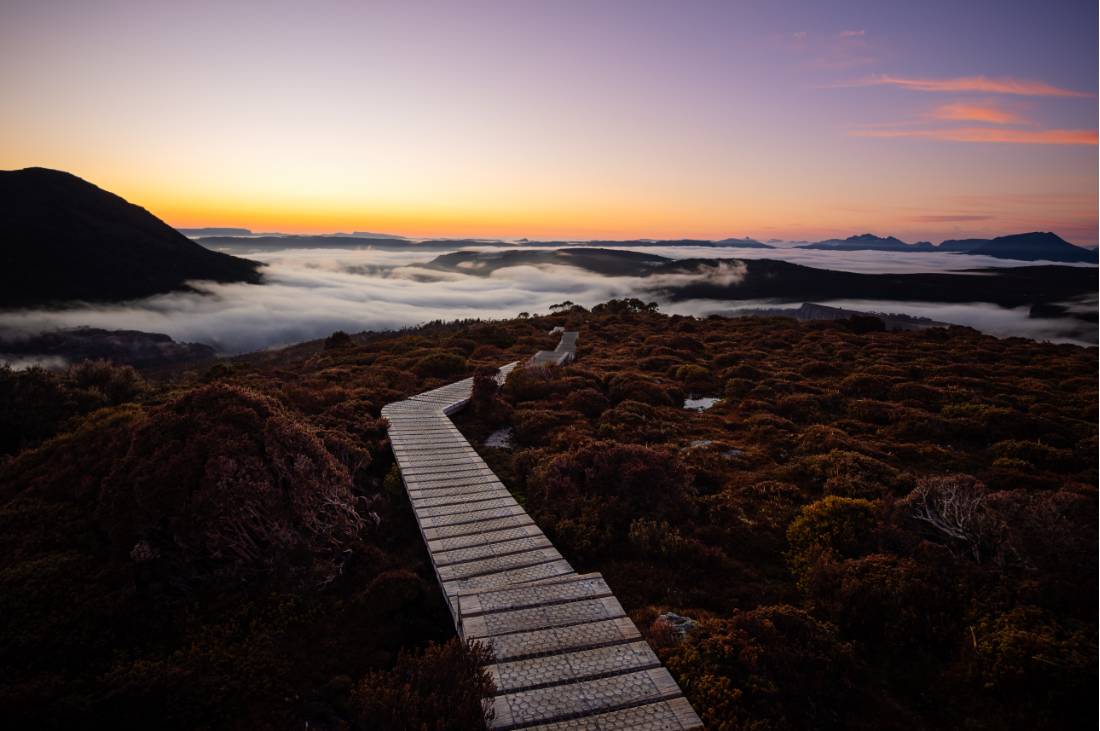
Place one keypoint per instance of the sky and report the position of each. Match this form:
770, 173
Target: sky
564, 119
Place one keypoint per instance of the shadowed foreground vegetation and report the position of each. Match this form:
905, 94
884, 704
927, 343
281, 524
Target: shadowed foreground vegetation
868, 530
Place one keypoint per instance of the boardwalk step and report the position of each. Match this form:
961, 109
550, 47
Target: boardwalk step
428, 482
475, 516
437, 472
671, 715
570, 667
496, 564
573, 700
470, 507
559, 590
505, 578
453, 497
482, 537
545, 616
488, 550
520, 645
444, 532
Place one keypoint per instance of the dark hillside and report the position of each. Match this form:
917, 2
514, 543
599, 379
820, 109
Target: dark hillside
62, 238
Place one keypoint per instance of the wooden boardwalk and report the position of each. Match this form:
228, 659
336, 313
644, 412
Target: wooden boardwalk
566, 655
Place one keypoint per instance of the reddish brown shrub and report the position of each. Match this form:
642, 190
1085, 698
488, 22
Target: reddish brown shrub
610, 484
227, 477
440, 365
774, 667
437, 689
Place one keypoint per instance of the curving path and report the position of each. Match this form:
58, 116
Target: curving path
566, 655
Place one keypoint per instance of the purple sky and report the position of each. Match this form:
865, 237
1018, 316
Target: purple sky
925, 120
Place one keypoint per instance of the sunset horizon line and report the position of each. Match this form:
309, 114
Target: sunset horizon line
366, 232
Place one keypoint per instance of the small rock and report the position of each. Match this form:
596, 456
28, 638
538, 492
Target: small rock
142, 552
700, 404
679, 624
501, 438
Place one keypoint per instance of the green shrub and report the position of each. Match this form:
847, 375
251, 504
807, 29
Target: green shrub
829, 529
1027, 656
695, 378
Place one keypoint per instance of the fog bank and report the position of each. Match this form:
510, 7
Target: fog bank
309, 293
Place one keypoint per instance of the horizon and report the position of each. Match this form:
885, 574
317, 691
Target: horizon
567, 121
363, 233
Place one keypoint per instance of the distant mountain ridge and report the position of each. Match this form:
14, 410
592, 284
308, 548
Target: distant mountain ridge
214, 231
1029, 246
62, 238
1034, 246
132, 347
810, 311
263, 242
869, 242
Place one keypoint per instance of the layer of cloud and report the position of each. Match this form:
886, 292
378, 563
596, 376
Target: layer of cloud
970, 84
311, 293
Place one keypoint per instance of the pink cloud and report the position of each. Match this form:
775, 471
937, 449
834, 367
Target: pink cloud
979, 84
990, 134
976, 112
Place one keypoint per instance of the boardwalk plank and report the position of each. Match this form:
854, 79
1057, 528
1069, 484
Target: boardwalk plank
570, 667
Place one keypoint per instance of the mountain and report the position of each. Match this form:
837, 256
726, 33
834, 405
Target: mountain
869, 242
63, 238
274, 242
810, 311
745, 243
1034, 246
608, 262
130, 347
373, 235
